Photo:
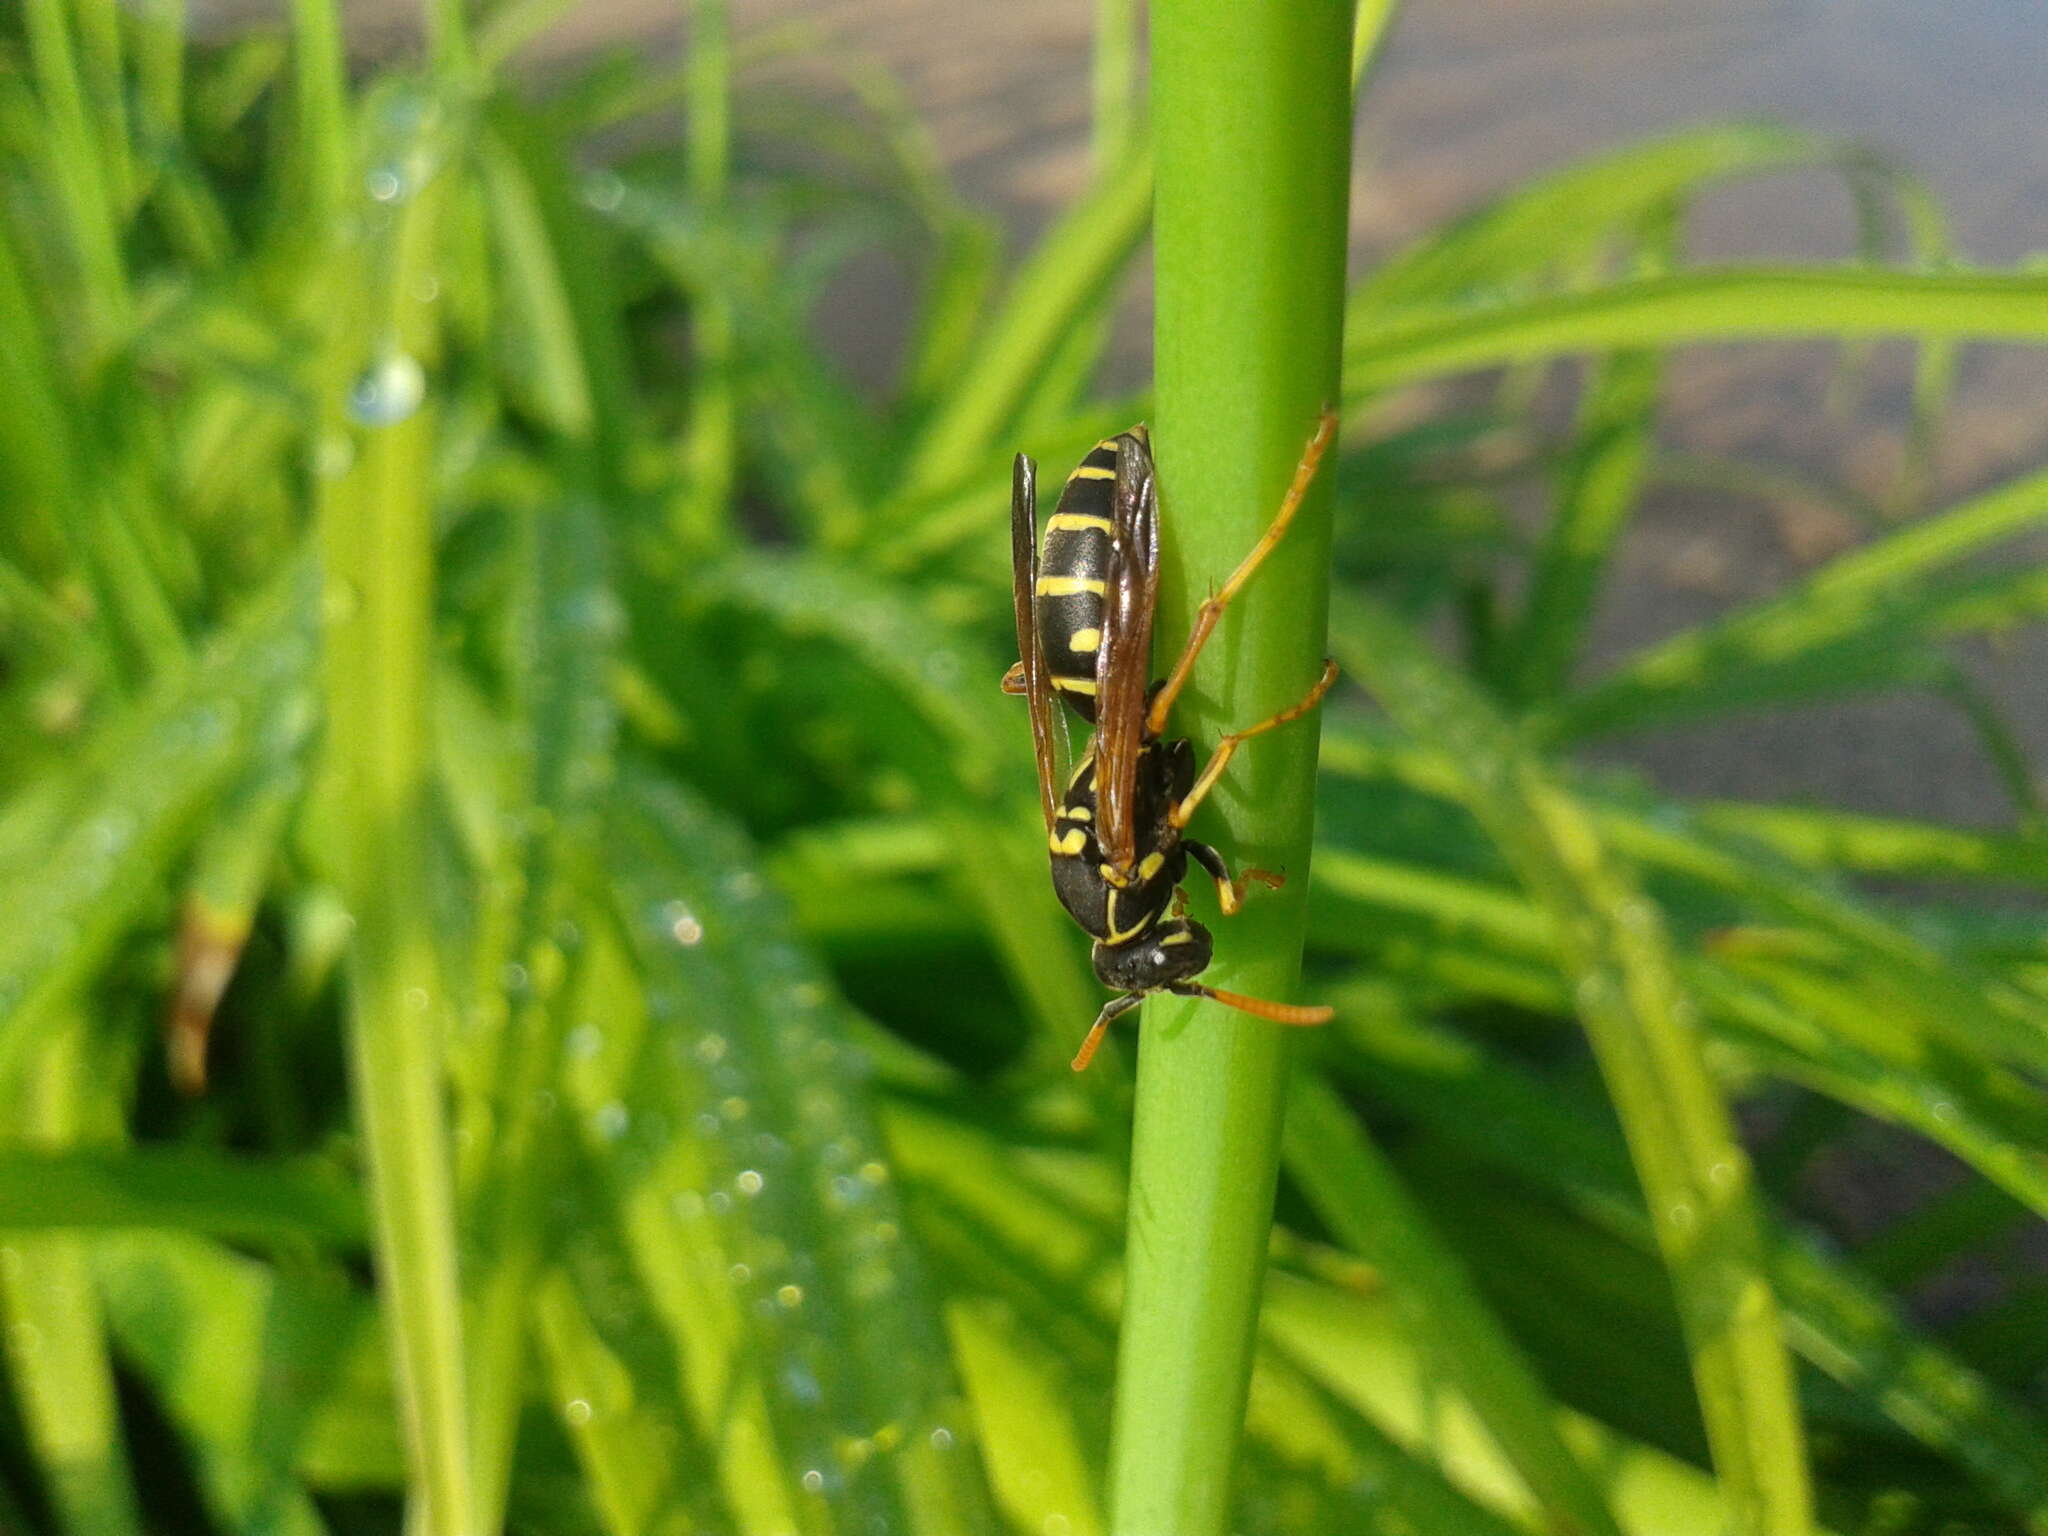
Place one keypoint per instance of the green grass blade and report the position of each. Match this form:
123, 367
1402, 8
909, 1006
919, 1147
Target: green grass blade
1712, 305
626, 1450
1562, 222
187, 1188
87, 868
968, 762
709, 450
1252, 112
1369, 29
56, 1346
232, 1351
377, 572
86, 185
873, 1421
1642, 1026
564, 619
1361, 1198
1889, 588
1035, 1229
315, 171
1597, 491
1972, 1012
1834, 1315
1078, 261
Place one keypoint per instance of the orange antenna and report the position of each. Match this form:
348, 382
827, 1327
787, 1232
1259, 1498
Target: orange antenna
1110, 1010
1278, 1013
1091, 1045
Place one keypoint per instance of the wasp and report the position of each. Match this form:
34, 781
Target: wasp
1116, 831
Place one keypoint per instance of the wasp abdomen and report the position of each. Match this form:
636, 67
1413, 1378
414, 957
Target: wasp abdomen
1073, 568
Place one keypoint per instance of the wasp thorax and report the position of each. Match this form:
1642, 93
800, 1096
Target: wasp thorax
1168, 952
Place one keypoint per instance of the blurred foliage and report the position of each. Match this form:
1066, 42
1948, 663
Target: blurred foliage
456, 620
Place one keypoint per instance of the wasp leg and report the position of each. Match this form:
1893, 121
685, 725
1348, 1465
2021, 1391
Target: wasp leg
1212, 610
1229, 892
1258, 1007
1013, 680
1184, 812
1110, 1011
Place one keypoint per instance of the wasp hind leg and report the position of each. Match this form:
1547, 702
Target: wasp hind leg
1229, 893
1226, 749
1212, 610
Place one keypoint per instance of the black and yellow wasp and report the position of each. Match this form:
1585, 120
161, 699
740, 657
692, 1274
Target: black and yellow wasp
1084, 634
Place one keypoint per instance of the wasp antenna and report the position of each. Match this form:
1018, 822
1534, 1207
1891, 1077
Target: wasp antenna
1259, 1007
1108, 1016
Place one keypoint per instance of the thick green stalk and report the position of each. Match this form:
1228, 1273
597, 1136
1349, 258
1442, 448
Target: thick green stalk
1252, 115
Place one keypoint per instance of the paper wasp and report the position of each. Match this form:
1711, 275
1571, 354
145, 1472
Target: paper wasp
1116, 832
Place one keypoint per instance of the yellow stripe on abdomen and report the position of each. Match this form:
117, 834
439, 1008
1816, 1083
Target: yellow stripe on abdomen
1078, 522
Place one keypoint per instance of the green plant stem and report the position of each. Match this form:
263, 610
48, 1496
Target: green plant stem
710, 441
1252, 111
376, 545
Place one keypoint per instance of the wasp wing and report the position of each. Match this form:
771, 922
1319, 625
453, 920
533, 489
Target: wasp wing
1037, 687
1123, 664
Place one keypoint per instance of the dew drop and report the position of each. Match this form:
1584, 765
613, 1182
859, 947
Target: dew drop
388, 391
604, 192
576, 1411
416, 999
749, 1182
384, 184
790, 1296
814, 1481
612, 1120
942, 1439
